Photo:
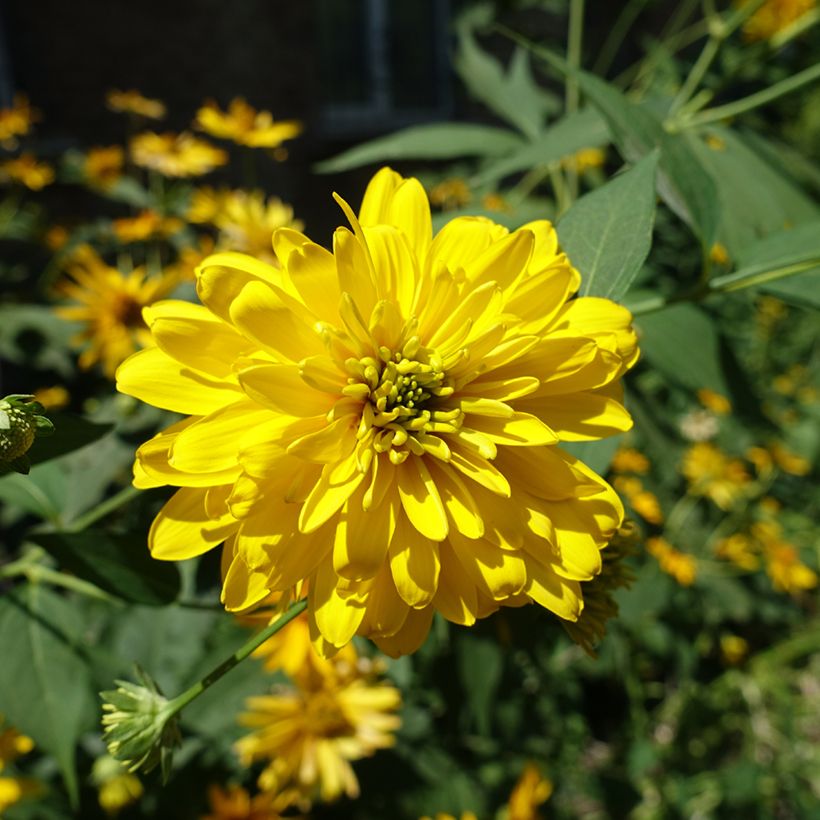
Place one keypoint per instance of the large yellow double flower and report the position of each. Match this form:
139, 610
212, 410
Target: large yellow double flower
383, 421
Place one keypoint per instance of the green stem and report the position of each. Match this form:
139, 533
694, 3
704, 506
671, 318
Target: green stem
732, 109
615, 38
37, 573
572, 92
680, 512
181, 701
786, 35
698, 71
102, 510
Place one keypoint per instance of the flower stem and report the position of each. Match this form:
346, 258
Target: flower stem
181, 701
609, 50
102, 510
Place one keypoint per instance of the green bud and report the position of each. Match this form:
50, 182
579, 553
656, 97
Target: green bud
20, 423
140, 727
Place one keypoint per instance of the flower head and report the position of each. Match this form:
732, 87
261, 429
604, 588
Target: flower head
628, 460
235, 803
680, 565
309, 733
383, 421
773, 16
103, 166
450, 193
176, 155
116, 787
145, 225
27, 170
243, 124
715, 402
132, 102
16, 121
109, 303
531, 791
712, 473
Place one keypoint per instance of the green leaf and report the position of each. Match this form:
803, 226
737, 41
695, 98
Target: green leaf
597, 455
117, 563
682, 342
683, 181
71, 433
480, 664
512, 95
607, 234
45, 684
583, 129
434, 141
34, 337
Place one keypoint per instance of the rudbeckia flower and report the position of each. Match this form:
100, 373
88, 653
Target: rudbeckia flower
384, 421
176, 155
132, 102
243, 124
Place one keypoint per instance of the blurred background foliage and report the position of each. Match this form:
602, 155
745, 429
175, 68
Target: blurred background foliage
703, 697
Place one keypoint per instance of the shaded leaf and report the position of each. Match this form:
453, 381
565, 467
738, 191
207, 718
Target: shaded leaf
117, 563
597, 455
71, 433
607, 234
480, 664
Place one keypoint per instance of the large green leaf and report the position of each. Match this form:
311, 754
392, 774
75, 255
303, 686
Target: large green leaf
683, 181
480, 665
435, 141
45, 683
119, 564
607, 234
583, 129
512, 95
70, 433
682, 342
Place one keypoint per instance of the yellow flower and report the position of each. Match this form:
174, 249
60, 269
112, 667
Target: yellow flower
740, 550
13, 745
247, 222
110, 306
310, 732
27, 170
720, 256
52, 398
207, 203
787, 571
531, 791
15, 789
586, 159
189, 259
56, 237
495, 202
117, 788
711, 473
243, 124
132, 102
16, 121
762, 460
628, 460
769, 505
733, 649
450, 193
713, 401
235, 803
790, 462
644, 503
176, 155
103, 166
383, 421
145, 225
773, 16
681, 566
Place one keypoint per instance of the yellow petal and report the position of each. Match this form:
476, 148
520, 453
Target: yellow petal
280, 387
394, 265
414, 564
410, 213
585, 416
362, 539
330, 443
420, 499
462, 240
386, 611
497, 572
375, 208
337, 618
155, 378
410, 637
503, 262
312, 270
521, 429
243, 587
458, 501
354, 265
336, 484
479, 470
456, 596
556, 594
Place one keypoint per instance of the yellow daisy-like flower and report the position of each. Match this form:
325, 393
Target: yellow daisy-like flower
246, 223
450, 193
176, 155
243, 124
309, 733
586, 159
733, 649
52, 398
715, 402
531, 791
117, 788
132, 102
382, 421
787, 571
790, 462
110, 305
207, 203
681, 566
629, 460
16, 121
15, 789
235, 803
190, 258
644, 502
103, 166
27, 170
740, 550
145, 225
13, 745
773, 16
712, 473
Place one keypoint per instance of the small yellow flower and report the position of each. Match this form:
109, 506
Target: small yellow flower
235, 803
719, 255
715, 142
773, 16
644, 503
16, 121
733, 649
103, 166
495, 202
27, 170
787, 571
713, 474
52, 398
762, 460
145, 225
531, 791
117, 788
15, 789
450, 194
309, 733
247, 222
109, 304
769, 505
586, 159
790, 462
715, 402
243, 124
680, 565
189, 259
176, 155
13, 745
207, 203
132, 102
383, 421
629, 460
740, 550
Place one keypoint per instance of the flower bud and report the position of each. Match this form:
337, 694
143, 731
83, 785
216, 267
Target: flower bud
20, 423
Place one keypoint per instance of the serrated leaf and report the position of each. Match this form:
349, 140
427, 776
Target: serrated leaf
434, 141
682, 342
45, 683
607, 234
583, 129
119, 564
